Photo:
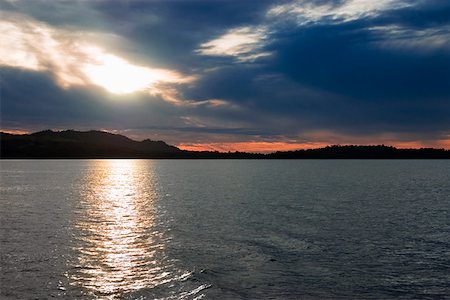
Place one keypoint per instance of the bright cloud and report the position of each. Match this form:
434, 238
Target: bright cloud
244, 43
395, 36
73, 60
305, 12
247, 43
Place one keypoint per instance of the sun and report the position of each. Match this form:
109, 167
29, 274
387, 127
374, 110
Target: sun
118, 76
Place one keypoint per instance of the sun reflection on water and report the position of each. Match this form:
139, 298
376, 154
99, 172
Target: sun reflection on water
119, 247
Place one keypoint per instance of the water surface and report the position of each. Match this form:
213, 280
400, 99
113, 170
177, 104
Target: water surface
219, 229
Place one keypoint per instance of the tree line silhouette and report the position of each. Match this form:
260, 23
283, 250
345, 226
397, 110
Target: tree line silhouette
100, 144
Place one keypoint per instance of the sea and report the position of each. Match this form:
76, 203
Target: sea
225, 229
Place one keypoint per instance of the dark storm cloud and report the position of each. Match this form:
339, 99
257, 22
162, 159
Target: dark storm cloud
33, 99
170, 31
57, 13
345, 77
345, 60
279, 103
424, 14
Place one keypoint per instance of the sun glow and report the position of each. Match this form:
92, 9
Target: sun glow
75, 60
118, 76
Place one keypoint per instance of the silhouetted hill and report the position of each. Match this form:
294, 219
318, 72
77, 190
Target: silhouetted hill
100, 144
76, 144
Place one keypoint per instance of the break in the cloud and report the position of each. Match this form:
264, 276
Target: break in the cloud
75, 60
248, 75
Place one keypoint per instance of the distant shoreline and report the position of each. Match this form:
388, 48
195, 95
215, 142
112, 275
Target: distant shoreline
214, 158
70, 144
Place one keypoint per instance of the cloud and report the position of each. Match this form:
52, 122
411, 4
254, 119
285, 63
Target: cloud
305, 12
119, 76
349, 60
248, 43
244, 43
227, 72
76, 61
402, 37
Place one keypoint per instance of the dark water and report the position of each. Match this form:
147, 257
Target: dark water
229, 229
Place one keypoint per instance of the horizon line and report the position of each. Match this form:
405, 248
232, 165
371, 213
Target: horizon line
245, 147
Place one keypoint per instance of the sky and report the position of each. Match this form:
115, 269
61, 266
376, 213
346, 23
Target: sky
227, 75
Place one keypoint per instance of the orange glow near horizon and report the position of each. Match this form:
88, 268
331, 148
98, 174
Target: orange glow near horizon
14, 131
318, 140
268, 147
439, 144
252, 146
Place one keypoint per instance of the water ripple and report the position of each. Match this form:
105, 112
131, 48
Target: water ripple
120, 248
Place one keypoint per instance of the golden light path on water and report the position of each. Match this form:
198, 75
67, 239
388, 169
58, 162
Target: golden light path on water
120, 250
